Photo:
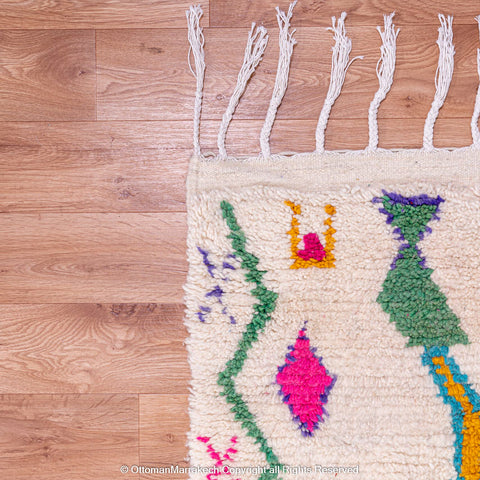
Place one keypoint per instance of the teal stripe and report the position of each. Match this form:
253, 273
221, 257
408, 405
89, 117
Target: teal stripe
455, 407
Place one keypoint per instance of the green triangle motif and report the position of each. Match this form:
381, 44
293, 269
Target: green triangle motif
411, 298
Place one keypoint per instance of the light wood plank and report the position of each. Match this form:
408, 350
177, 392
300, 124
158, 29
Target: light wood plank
100, 135
47, 75
29, 145
411, 95
314, 13
164, 423
92, 258
60, 14
136, 84
341, 134
143, 75
126, 180
93, 348
67, 187
54, 437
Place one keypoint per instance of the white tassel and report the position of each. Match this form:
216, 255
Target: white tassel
443, 77
196, 40
340, 65
256, 44
476, 110
286, 42
385, 71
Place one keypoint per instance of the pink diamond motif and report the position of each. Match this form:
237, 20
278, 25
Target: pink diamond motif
305, 384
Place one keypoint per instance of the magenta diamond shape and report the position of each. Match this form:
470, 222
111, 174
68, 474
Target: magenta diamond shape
305, 384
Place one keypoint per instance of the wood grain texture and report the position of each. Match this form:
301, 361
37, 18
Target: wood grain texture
60, 14
410, 97
166, 445
341, 134
92, 258
164, 424
92, 348
79, 437
143, 75
99, 135
319, 12
124, 180
136, 176
96, 104
47, 75
142, 72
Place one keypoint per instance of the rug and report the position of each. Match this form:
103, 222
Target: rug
331, 299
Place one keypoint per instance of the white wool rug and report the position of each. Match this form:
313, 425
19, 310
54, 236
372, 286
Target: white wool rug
331, 297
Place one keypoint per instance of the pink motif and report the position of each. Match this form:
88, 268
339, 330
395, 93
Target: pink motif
313, 248
219, 457
305, 384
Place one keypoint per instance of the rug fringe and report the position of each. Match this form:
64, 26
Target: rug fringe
256, 44
476, 110
340, 65
197, 41
385, 71
287, 43
443, 77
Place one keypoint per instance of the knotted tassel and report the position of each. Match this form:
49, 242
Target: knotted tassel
476, 110
443, 77
256, 44
286, 42
196, 40
340, 65
385, 71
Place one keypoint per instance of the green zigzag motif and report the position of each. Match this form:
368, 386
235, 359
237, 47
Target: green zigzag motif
262, 314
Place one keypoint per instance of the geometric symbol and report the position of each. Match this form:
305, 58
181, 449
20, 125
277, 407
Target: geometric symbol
464, 408
305, 384
218, 273
420, 311
313, 248
314, 254
219, 457
411, 298
262, 314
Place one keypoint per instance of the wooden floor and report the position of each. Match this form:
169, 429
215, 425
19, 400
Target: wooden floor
95, 134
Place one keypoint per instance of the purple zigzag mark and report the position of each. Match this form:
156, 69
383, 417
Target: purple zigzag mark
203, 312
232, 319
217, 291
227, 266
396, 198
422, 259
400, 256
417, 200
206, 261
